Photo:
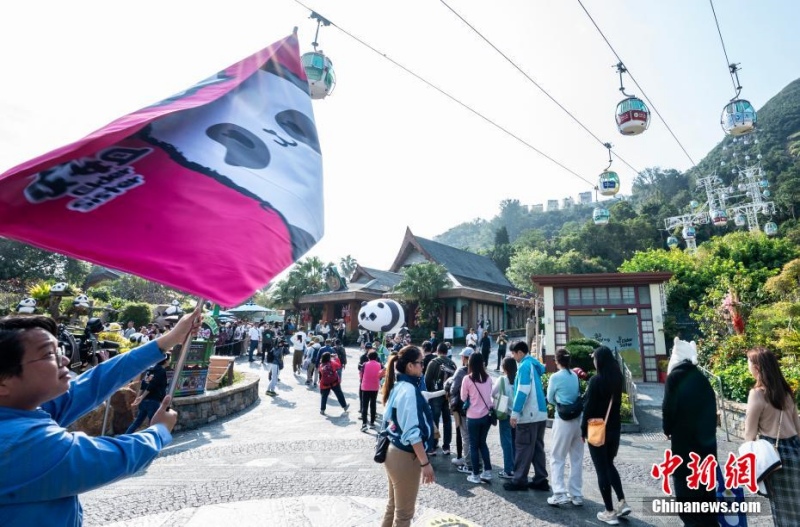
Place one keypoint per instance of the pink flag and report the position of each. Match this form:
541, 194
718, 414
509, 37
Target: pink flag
213, 191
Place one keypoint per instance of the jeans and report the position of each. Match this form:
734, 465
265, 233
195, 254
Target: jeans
339, 396
441, 408
368, 399
253, 347
147, 408
507, 444
478, 430
275, 370
501, 354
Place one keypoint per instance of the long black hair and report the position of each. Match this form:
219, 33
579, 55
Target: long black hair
477, 369
397, 364
609, 374
510, 367
769, 377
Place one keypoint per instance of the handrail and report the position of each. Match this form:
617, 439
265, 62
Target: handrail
630, 386
720, 398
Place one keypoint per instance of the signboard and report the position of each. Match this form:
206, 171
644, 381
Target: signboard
448, 333
191, 381
618, 332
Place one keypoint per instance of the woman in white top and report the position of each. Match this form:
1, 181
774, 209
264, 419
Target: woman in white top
505, 387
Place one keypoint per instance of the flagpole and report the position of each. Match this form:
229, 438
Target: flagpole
184, 349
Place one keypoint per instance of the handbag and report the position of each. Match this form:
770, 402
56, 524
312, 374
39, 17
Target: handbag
501, 402
568, 412
492, 413
381, 446
768, 460
597, 428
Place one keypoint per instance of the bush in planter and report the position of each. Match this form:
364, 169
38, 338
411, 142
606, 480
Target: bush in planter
140, 313
580, 351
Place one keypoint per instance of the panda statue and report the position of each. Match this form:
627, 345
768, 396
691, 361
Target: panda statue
59, 289
81, 301
381, 314
174, 309
27, 305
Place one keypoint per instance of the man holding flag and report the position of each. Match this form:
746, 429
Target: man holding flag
44, 466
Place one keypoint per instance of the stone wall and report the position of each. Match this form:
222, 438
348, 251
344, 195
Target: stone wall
733, 415
197, 410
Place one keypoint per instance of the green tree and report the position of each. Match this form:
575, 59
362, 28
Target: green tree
501, 254
139, 312
347, 266
528, 262
421, 284
304, 278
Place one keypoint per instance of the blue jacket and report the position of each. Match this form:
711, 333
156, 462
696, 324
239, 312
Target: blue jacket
43, 466
412, 420
529, 402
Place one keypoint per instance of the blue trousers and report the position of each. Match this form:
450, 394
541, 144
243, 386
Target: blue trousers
507, 444
147, 408
478, 431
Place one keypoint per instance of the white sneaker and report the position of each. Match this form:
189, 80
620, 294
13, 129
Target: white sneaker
577, 500
458, 461
622, 509
464, 469
486, 475
472, 478
505, 475
609, 517
558, 499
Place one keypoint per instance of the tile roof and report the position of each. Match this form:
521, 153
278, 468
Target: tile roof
472, 270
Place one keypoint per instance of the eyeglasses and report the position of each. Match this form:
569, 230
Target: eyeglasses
59, 353
420, 362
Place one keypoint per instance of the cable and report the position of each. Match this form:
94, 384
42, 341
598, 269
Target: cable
727, 60
603, 143
653, 106
452, 98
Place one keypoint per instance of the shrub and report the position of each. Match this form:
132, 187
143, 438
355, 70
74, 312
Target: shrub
736, 381
625, 409
140, 313
581, 353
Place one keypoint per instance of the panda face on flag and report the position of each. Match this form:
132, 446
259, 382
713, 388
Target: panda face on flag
258, 149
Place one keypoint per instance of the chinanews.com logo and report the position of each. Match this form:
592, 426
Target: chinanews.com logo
728, 482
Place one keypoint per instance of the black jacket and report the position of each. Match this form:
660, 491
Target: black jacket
690, 412
597, 396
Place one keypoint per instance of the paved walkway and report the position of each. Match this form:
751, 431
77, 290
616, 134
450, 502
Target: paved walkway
281, 463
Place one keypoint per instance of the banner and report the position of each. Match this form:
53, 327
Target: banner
212, 191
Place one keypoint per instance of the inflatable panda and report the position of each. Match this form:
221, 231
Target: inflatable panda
381, 315
59, 289
28, 305
81, 301
138, 338
174, 309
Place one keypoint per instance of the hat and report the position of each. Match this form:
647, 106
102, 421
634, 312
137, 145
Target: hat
114, 327
466, 352
368, 346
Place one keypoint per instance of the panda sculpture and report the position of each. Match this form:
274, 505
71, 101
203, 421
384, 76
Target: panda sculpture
81, 301
27, 305
59, 289
381, 315
174, 309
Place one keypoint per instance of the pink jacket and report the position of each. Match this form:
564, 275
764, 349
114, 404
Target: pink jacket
371, 376
477, 406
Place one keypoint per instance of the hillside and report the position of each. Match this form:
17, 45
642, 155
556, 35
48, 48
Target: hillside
657, 193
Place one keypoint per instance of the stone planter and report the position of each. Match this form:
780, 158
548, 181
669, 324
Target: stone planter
197, 410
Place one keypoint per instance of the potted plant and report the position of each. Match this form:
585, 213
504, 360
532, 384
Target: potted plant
662, 370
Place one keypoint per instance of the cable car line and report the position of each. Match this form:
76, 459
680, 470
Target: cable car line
737, 89
653, 106
452, 98
473, 28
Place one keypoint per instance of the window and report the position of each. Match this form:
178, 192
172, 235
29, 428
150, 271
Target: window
649, 350
644, 294
600, 295
574, 296
560, 314
647, 325
587, 296
614, 295
561, 327
558, 297
647, 314
628, 295
561, 339
647, 338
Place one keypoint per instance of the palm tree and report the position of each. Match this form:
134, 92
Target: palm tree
348, 266
304, 278
421, 284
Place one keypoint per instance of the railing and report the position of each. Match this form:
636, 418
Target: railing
232, 348
716, 384
630, 386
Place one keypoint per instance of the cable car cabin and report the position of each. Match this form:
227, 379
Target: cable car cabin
608, 185
689, 232
719, 218
672, 242
633, 117
600, 216
738, 118
770, 228
319, 70
740, 220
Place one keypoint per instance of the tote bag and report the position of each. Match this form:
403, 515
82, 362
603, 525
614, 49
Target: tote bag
501, 402
596, 430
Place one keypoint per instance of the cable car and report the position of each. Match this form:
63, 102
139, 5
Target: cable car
763, 183
770, 228
766, 193
694, 204
319, 70
633, 117
689, 232
740, 220
608, 184
672, 242
719, 218
738, 117
600, 216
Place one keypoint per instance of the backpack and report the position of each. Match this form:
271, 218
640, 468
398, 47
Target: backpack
445, 372
328, 376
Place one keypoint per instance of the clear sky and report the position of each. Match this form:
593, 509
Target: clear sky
396, 153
